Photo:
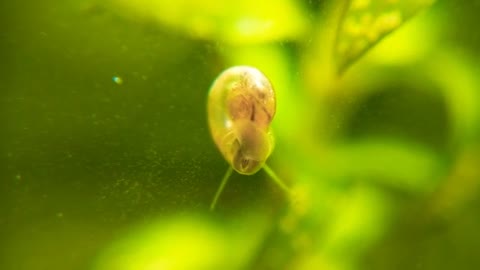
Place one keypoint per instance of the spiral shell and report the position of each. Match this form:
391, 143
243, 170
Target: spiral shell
241, 106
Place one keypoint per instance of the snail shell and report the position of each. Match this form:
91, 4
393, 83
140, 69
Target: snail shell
241, 105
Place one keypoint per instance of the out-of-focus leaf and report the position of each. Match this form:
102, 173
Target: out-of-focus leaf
461, 185
357, 221
458, 77
236, 22
399, 165
186, 242
366, 22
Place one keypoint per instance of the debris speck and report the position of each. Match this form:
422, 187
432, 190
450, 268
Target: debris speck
118, 80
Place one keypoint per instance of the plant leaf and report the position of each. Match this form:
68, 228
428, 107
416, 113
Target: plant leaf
366, 22
237, 22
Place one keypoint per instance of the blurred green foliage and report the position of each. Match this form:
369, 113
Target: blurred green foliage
107, 163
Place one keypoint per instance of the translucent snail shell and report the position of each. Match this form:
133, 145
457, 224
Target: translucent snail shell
241, 105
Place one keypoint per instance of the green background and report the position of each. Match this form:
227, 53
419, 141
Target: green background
383, 157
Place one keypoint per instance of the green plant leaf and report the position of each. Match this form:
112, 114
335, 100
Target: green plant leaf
404, 166
186, 242
366, 22
240, 22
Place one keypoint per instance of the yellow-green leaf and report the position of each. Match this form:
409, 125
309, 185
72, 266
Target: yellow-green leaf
366, 22
233, 22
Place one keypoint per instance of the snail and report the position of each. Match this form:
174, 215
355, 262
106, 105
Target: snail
241, 106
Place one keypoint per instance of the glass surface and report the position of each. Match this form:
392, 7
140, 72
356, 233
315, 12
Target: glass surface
107, 162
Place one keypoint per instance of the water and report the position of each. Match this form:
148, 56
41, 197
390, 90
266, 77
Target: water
107, 161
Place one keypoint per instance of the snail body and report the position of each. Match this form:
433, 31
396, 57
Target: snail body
241, 106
